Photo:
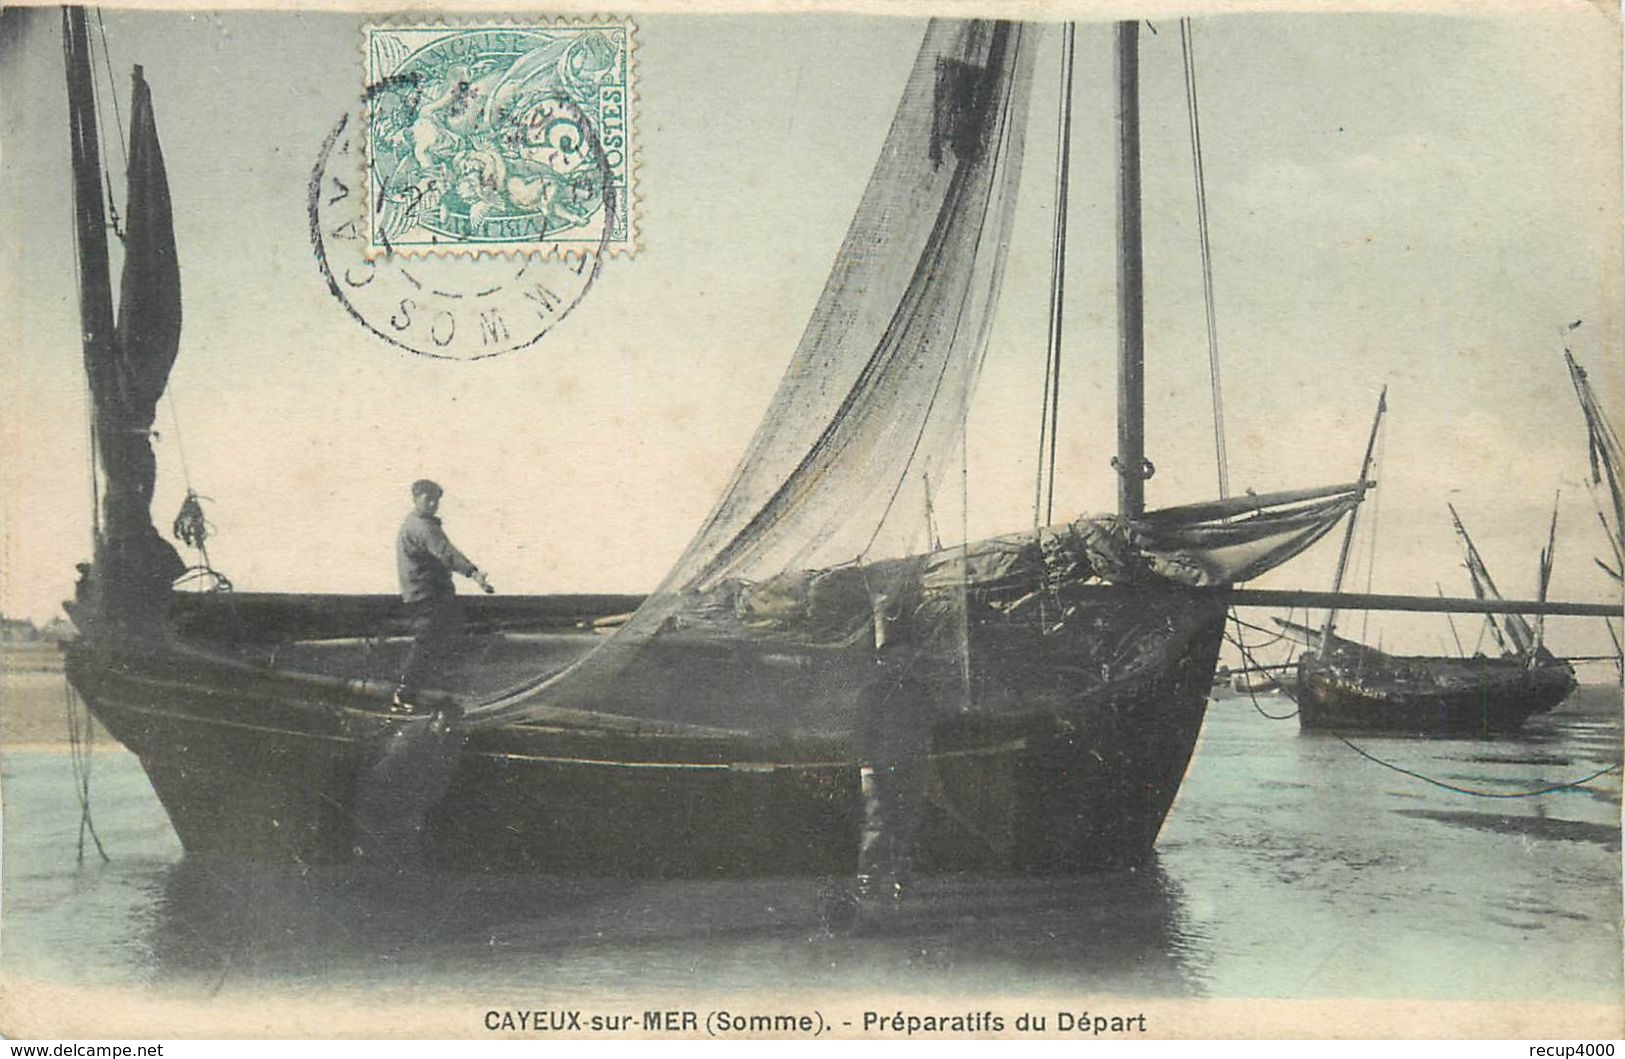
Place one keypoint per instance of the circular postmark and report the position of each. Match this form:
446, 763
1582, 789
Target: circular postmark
455, 306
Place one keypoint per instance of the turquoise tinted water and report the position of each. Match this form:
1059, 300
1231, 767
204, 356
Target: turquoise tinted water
1290, 867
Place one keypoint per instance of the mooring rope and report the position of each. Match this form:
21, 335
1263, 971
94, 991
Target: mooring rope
1582, 781
1252, 663
1275, 635
1247, 657
81, 744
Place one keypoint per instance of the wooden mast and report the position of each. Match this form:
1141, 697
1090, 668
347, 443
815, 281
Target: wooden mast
1130, 462
90, 221
1547, 557
1348, 535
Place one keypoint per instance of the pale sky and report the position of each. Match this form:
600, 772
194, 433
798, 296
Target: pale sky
1419, 201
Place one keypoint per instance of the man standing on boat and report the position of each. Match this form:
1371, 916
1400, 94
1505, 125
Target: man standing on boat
895, 715
425, 560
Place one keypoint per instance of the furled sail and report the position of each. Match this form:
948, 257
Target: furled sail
1514, 632
127, 363
149, 316
1607, 465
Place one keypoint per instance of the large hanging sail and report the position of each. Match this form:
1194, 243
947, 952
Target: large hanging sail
878, 388
879, 383
816, 534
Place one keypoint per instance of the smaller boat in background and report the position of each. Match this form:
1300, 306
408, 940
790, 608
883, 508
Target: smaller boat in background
1347, 686
1344, 685
1255, 683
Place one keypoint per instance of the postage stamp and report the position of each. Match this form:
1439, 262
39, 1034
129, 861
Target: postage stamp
500, 138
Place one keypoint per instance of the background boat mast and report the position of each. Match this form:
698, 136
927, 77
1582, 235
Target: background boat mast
1348, 535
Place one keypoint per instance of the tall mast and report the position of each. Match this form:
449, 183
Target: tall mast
90, 222
1130, 462
1548, 556
1348, 535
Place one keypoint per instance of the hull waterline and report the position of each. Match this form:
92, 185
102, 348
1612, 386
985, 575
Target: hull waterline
1492, 697
269, 765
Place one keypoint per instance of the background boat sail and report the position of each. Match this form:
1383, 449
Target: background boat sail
1607, 461
713, 733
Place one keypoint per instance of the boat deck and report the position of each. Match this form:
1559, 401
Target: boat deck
486, 663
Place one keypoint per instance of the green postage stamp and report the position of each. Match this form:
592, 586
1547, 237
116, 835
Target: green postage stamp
500, 138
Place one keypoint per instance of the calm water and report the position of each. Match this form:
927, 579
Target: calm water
1290, 867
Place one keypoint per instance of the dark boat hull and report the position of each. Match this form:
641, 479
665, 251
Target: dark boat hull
1467, 697
268, 764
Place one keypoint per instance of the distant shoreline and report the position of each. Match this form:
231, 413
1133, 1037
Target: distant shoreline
43, 656
33, 700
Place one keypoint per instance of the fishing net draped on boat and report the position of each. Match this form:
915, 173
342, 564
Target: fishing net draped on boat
825, 531
876, 391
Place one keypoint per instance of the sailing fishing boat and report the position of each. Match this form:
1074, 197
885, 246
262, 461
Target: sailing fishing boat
1344, 685
714, 731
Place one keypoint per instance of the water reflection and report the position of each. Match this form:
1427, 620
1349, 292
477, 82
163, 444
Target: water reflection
1538, 825
219, 920
1290, 867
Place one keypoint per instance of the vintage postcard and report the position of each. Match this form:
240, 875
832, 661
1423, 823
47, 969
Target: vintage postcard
1000, 523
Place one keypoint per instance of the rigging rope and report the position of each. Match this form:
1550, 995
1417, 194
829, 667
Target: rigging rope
1049, 412
1199, 175
180, 442
118, 116
112, 87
